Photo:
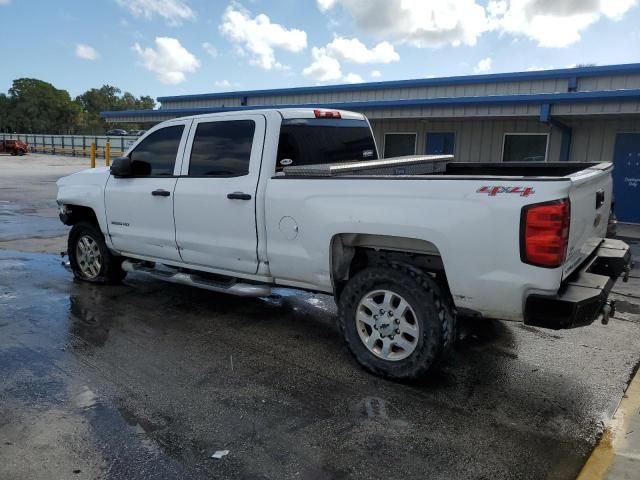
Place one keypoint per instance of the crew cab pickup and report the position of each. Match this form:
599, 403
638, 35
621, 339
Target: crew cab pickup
14, 147
242, 202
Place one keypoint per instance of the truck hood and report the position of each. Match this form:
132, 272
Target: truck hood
85, 188
83, 177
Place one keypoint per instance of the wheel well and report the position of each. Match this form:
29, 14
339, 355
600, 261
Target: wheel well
77, 213
352, 253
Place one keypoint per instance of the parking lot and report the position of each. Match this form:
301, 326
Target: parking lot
149, 379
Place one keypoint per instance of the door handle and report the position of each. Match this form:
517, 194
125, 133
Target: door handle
160, 193
239, 196
599, 198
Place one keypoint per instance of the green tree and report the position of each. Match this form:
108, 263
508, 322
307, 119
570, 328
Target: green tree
4, 113
37, 106
108, 98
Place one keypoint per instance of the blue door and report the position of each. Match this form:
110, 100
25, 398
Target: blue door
626, 177
440, 143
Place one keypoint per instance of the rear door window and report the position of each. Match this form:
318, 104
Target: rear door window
222, 149
320, 141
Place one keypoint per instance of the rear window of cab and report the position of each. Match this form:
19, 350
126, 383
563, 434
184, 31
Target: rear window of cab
309, 141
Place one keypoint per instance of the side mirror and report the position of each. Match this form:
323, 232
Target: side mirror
121, 167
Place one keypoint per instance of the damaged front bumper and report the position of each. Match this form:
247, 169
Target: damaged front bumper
584, 295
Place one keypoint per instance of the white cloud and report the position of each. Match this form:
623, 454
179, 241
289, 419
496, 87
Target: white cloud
210, 49
260, 37
173, 11
325, 5
353, 50
85, 52
324, 67
555, 23
495, 8
376, 73
222, 83
169, 60
483, 66
5, 2
420, 23
353, 78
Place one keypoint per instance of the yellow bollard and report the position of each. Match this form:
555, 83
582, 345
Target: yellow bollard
107, 154
92, 155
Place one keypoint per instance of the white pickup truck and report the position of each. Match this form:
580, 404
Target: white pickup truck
242, 202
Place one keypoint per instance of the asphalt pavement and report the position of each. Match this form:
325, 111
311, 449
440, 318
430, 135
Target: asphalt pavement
148, 379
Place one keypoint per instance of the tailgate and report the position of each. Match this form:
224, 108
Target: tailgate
590, 195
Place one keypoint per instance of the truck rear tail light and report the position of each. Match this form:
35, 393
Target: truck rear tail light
544, 233
327, 114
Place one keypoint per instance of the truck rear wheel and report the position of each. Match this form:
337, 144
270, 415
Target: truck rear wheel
397, 321
90, 258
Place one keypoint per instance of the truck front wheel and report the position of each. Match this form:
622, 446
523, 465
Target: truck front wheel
397, 321
90, 258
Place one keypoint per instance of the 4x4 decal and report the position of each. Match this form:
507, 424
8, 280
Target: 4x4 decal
494, 190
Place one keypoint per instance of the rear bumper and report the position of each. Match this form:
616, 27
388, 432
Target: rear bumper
584, 296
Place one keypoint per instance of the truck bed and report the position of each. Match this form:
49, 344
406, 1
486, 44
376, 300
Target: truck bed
441, 165
518, 169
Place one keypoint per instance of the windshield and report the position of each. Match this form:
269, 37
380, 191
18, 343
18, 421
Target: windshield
319, 141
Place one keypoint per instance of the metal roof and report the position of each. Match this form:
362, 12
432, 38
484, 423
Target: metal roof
539, 98
597, 71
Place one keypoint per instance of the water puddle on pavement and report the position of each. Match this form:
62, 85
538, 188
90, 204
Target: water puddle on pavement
17, 222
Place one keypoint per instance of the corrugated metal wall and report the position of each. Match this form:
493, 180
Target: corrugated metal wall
475, 140
471, 90
611, 82
608, 82
481, 140
594, 140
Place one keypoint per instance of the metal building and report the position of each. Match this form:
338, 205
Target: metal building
574, 114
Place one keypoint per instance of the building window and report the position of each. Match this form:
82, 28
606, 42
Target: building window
440, 143
525, 147
399, 144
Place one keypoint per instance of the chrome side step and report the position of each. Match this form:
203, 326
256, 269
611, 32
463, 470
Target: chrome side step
232, 287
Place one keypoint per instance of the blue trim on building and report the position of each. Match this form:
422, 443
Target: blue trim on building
545, 112
565, 130
539, 98
569, 73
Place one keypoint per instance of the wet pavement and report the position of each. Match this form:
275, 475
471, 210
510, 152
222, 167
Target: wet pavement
148, 380
28, 210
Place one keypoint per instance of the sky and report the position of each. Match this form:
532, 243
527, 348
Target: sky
174, 47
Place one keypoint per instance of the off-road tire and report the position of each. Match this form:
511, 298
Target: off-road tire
434, 312
111, 269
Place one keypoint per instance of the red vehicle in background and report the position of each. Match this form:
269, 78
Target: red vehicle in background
14, 147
